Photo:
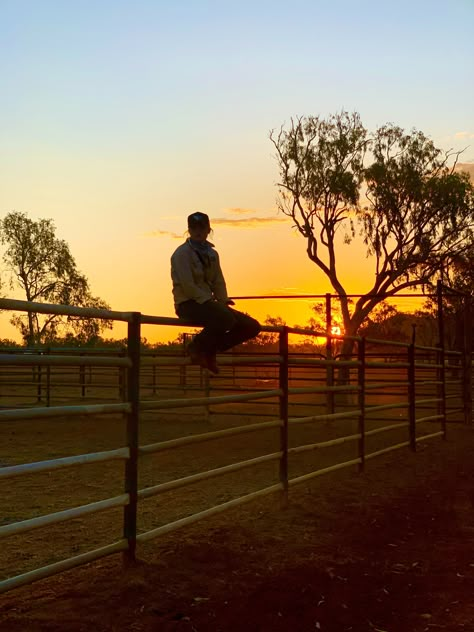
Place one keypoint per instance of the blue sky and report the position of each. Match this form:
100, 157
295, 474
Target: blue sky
119, 118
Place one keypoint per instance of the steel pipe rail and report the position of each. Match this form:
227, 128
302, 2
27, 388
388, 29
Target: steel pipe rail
386, 365
64, 310
385, 343
440, 433
68, 461
63, 565
323, 444
165, 320
403, 424
428, 382
371, 409
201, 476
306, 332
50, 360
427, 365
424, 348
325, 470
60, 411
391, 448
326, 417
177, 524
429, 418
312, 362
223, 361
206, 436
434, 400
376, 385
454, 411
146, 319
204, 401
61, 516
321, 389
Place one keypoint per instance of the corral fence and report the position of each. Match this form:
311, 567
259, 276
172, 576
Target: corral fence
394, 395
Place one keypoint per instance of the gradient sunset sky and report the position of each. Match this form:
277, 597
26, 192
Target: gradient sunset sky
118, 119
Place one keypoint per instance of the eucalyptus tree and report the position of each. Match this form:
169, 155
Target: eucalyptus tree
43, 268
391, 189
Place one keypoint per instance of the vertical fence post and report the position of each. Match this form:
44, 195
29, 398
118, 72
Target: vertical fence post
411, 396
131, 465
467, 361
329, 356
441, 358
361, 401
82, 378
153, 375
121, 381
39, 394
48, 379
183, 368
283, 385
207, 393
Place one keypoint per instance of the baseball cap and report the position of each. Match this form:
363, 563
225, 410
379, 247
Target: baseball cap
198, 219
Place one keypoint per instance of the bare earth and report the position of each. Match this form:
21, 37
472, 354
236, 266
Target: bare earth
390, 550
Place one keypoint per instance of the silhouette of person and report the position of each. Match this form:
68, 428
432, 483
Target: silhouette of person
200, 296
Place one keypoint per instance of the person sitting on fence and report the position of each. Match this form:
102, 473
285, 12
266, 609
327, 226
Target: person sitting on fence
200, 297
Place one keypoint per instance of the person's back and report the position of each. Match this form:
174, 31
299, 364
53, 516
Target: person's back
200, 296
196, 274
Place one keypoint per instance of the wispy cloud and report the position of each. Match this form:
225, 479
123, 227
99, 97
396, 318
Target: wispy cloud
464, 135
248, 222
164, 233
239, 211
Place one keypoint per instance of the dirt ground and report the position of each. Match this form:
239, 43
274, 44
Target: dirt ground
390, 550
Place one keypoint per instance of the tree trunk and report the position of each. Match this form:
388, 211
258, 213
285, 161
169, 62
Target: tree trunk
30, 341
343, 372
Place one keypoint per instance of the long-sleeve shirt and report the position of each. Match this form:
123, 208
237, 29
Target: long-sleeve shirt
196, 276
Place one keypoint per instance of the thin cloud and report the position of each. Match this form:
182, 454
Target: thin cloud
248, 222
163, 233
239, 211
464, 135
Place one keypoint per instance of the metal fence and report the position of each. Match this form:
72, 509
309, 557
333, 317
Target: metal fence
391, 396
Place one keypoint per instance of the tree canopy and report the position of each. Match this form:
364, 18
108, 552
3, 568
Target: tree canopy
42, 266
392, 189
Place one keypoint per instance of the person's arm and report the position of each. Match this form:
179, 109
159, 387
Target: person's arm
219, 286
181, 271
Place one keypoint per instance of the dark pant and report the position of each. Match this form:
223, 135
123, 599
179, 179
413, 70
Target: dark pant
224, 327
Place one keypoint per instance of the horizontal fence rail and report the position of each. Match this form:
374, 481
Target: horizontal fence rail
376, 403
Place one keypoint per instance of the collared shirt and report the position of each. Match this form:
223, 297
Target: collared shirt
197, 274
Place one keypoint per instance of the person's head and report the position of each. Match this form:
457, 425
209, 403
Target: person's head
199, 226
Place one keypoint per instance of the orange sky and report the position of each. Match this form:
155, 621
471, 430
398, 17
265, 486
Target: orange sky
258, 258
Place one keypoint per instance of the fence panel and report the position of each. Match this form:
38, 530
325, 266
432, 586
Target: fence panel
312, 419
